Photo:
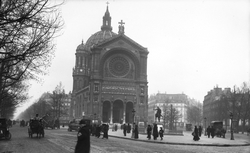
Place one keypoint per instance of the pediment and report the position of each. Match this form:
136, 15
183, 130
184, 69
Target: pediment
122, 41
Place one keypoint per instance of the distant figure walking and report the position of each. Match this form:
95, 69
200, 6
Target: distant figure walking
155, 131
128, 128
98, 131
105, 131
161, 132
136, 132
196, 134
149, 132
200, 131
208, 131
212, 132
124, 129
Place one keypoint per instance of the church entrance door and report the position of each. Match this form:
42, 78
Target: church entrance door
106, 109
118, 111
129, 114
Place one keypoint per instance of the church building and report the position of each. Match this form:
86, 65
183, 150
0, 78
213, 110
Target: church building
110, 77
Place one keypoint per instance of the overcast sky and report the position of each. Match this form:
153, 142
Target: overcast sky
193, 45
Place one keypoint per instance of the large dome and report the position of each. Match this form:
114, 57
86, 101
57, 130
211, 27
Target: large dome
105, 33
98, 37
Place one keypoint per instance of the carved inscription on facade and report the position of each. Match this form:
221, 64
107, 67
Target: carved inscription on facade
118, 89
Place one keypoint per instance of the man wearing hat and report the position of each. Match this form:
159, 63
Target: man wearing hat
83, 137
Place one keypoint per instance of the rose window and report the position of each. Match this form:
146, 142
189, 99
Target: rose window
119, 66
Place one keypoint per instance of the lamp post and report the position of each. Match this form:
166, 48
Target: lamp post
133, 113
232, 134
205, 119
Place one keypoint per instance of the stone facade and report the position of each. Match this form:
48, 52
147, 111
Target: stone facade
110, 77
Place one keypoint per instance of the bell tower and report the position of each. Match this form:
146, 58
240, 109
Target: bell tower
81, 75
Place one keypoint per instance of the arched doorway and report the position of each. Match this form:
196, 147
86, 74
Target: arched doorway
106, 111
129, 115
118, 111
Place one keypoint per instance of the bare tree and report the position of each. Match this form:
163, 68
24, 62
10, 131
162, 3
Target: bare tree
27, 28
242, 107
194, 115
57, 98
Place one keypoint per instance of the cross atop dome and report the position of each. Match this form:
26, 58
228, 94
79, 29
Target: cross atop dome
106, 26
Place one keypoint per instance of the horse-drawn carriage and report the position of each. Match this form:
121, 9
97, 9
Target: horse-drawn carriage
219, 131
35, 127
4, 129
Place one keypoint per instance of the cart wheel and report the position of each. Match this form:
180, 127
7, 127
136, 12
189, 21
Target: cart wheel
8, 137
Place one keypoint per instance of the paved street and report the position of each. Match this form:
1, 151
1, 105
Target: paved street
240, 139
62, 141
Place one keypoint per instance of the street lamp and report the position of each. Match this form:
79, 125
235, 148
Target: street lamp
133, 113
232, 134
205, 119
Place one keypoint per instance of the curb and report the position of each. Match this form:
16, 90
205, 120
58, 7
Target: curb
190, 144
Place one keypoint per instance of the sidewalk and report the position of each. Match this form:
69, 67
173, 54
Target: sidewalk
187, 139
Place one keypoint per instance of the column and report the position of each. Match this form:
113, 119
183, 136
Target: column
124, 112
111, 114
100, 111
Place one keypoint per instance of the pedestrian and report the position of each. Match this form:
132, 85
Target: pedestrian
128, 128
98, 131
116, 127
83, 137
200, 131
93, 131
212, 132
136, 132
149, 131
223, 133
161, 132
196, 134
124, 129
155, 132
105, 131
208, 131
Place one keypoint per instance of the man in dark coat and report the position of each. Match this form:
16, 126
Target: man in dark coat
124, 129
136, 132
98, 131
155, 131
196, 134
149, 132
93, 130
212, 132
200, 131
128, 128
116, 127
105, 131
83, 137
208, 131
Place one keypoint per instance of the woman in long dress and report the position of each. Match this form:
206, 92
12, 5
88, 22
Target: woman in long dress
196, 134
